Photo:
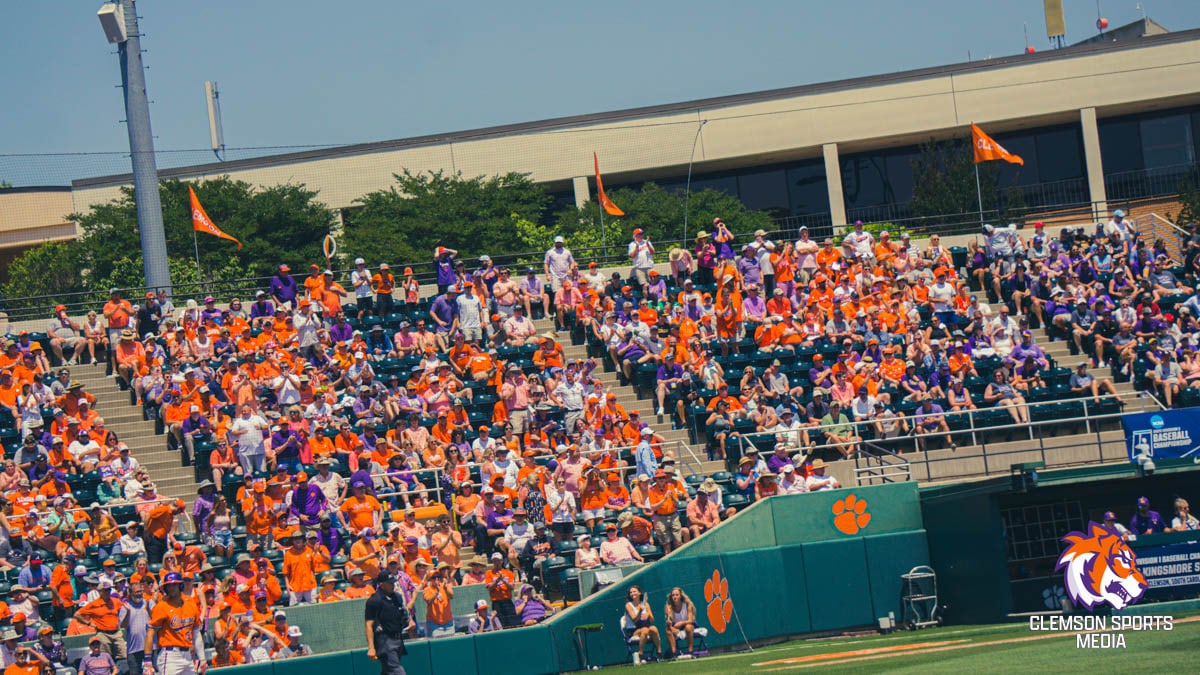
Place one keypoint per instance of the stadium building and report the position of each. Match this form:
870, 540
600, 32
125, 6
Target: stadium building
1105, 120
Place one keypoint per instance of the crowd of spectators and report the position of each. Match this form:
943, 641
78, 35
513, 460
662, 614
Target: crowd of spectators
347, 431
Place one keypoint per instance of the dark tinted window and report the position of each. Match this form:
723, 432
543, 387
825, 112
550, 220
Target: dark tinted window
764, 191
864, 180
808, 191
1167, 142
1120, 145
1060, 154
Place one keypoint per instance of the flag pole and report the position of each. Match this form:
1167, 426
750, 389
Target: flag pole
978, 193
196, 248
603, 234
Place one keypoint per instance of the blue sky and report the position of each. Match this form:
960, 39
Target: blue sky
309, 72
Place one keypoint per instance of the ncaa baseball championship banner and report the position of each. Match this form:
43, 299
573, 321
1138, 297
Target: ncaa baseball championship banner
1167, 434
1173, 568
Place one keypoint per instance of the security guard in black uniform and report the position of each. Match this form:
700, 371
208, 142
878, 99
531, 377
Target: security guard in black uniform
387, 620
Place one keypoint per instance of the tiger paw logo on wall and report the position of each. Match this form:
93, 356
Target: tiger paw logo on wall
1098, 567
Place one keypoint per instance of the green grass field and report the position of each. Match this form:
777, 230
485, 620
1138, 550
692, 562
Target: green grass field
960, 650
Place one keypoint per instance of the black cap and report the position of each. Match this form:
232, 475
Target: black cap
385, 578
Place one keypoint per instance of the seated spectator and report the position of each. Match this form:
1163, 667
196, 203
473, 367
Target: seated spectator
818, 480
1184, 520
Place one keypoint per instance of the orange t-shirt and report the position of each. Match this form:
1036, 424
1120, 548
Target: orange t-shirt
502, 590
437, 603
360, 511
102, 615
299, 569
158, 522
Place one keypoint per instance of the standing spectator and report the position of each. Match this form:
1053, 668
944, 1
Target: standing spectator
500, 584
1145, 521
117, 314
160, 528
641, 255
248, 430
135, 619
65, 332
383, 283
558, 263
283, 287
102, 615
443, 262
470, 313
360, 279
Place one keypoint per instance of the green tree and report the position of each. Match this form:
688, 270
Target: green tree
52, 269
660, 213
282, 223
4, 185
944, 184
407, 221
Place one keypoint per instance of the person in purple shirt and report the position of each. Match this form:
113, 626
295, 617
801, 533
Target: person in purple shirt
779, 458
308, 502
210, 311
261, 308
1027, 348
328, 535
203, 506
283, 286
341, 331
194, 426
444, 310
443, 261
286, 444
1145, 521
748, 266
753, 306
930, 418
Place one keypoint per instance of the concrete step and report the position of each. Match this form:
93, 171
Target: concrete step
126, 421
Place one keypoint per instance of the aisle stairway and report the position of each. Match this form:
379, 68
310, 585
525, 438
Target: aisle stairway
676, 440
125, 419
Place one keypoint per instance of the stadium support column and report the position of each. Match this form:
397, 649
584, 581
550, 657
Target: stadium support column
583, 193
833, 182
1095, 168
141, 147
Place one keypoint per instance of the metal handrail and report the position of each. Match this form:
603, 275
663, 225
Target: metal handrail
977, 432
883, 470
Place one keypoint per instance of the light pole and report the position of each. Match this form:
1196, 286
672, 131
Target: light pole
687, 194
119, 21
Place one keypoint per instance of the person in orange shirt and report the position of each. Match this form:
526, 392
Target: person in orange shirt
101, 615
298, 568
364, 554
500, 582
259, 514
160, 525
661, 502
358, 587
360, 511
28, 661
130, 355
329, 591
61, 587
593, 497
438, 590
173, 624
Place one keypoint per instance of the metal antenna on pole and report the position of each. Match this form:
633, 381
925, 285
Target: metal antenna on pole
687, 195
120, 24
216, 133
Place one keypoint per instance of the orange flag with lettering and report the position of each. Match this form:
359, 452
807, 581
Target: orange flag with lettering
202, 223
987, 149
609, 207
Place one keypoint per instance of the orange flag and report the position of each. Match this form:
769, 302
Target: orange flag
609, 207
202, 223
987, 149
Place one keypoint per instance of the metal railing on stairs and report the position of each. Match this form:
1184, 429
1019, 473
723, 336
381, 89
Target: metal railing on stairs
878, 463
